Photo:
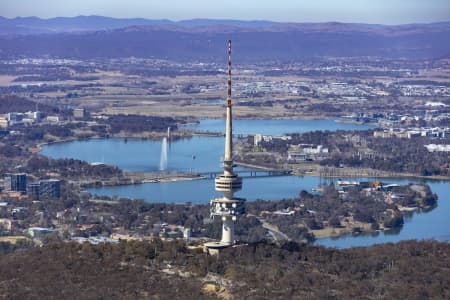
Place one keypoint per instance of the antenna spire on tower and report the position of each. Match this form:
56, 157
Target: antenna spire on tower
229, 73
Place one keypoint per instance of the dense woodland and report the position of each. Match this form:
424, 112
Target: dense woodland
152, 270
69, 168
137, 124
11, 103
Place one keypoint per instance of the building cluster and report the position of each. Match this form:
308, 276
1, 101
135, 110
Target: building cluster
404, 125
436, 132
33, 117
94, 240
266, 87
27, 118
14, 118
170, 231
81, 225
15, 184
349, 91
85, 223
396, 120
258, 138
261, 80
43, 61
424, 90
296, 153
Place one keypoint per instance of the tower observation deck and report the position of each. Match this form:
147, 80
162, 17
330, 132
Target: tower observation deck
227, 207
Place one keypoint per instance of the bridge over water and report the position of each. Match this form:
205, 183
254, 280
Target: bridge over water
250, 173
185, 174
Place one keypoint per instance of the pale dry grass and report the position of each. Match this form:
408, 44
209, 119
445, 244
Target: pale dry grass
12, 239
347, 227
7, 80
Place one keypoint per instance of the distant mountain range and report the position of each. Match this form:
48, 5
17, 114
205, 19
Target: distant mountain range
33, 25
203, 39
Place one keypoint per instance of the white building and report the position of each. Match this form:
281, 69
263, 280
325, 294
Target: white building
308, 153
437, 148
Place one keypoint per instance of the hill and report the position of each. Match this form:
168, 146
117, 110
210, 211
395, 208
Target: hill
34, 25
203, 40
156, 270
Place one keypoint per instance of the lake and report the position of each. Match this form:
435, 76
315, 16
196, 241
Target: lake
275, 127
196, 154
202, 154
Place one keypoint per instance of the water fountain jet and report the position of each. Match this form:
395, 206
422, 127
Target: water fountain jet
163, 157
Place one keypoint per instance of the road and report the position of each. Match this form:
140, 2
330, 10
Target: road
273, 230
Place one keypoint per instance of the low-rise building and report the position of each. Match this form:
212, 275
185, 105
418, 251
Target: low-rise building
258, 138
79, 113
4, 123
53, 119
437, 148
6, 224
37, 232
307, 152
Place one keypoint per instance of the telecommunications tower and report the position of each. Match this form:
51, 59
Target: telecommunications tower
227, 207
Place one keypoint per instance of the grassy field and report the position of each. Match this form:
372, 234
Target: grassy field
12, 239
6, 80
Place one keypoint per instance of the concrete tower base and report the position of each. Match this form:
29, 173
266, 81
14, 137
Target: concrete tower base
213, 248
227, 231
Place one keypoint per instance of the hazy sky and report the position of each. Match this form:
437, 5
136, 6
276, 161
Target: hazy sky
364, 11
